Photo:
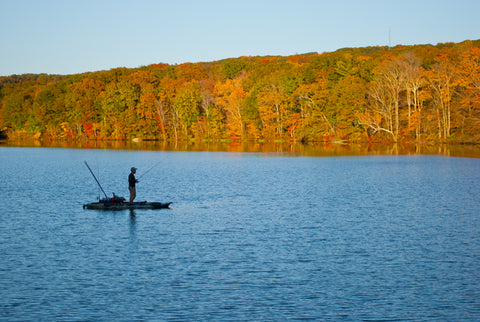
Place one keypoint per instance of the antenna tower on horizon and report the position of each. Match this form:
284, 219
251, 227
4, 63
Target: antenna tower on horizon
389, 36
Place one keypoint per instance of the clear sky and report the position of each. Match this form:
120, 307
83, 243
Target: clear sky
75, 36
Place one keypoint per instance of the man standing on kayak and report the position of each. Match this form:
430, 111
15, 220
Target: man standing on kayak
131, 184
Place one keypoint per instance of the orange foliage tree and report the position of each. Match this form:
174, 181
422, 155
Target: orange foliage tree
421, 93
229, 97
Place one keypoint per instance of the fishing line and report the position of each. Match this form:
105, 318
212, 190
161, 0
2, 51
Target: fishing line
149, 170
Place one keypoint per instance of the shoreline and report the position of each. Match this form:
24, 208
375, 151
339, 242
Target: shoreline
325, 148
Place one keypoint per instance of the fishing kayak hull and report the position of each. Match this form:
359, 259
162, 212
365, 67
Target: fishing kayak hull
126, 205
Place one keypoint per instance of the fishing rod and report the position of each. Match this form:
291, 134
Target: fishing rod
96, 179
148, 170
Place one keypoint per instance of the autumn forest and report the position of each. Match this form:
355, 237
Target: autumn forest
422, 93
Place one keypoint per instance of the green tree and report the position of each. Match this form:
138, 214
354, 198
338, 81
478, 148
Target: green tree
186, 105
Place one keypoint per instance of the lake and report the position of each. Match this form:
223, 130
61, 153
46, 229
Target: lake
249, 237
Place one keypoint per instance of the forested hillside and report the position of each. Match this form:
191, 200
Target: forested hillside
420, 93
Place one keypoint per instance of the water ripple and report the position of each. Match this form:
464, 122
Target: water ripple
247, 238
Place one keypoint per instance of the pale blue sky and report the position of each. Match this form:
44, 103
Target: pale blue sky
75, 36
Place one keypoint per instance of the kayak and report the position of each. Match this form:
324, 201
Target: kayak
119, 203
108, 205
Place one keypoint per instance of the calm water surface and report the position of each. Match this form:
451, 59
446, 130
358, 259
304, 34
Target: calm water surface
250, 236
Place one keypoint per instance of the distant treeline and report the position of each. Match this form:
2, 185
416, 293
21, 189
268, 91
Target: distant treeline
421, 93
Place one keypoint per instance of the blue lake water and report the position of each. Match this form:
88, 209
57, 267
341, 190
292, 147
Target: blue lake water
250, 236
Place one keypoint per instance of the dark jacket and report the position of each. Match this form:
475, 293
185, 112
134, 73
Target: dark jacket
131, 180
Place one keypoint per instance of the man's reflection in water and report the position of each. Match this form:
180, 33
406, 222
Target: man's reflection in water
133, 223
